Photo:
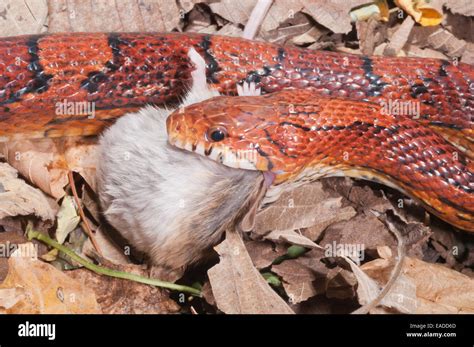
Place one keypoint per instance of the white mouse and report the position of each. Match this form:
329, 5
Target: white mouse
168, 203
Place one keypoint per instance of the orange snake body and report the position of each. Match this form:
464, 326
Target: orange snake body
301, 136
120, 72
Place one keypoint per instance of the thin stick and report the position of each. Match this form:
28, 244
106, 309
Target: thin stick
87, 227
396, 272
256, 18
31, 234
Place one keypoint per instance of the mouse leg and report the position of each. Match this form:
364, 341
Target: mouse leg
248, 89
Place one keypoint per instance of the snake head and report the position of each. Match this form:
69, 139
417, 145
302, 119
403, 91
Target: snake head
234, 131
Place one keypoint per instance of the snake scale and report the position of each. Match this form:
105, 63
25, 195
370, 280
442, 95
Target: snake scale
327, 107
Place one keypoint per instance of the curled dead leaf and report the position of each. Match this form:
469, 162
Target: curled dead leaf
18, 198
438, 288
32, 286
237, 285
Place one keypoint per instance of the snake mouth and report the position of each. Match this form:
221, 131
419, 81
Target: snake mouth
221, 155
246, 160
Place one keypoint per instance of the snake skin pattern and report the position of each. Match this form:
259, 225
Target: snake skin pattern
298, 136
120, 72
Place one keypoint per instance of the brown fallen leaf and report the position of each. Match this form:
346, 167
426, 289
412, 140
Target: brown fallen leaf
300, 208
445, 42
117, 296
291, 236
237, 285
9, 241
468, 55
115, 16
340, 284
459, 25
46, 162
417, 52
32, 286
23, 17
463, 7
263, 253
401, 296
399, 38
302, 277
438, 288
365, 231
314, 232
334, 15
19, 198
370, 33
239, 12
297, 28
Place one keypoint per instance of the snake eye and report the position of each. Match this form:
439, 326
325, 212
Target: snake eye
217, 134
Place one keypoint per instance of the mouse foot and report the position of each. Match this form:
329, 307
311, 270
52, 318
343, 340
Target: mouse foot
248, 89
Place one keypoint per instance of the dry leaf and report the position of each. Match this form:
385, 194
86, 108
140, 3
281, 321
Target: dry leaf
307, 37
113, 16
299, 24
68, 219
23, 17
367, 232
281, 12
9, 241
417, 52
399, 38
291, 236
239, 11
46, 162
41, 288
438, 288
370, 33
442, 40
18, 198
237, 286
118, 296
300, 208
343, 214
334, 15
263, 253
340, 284
468, 55
463, 7
303, 277
401, 296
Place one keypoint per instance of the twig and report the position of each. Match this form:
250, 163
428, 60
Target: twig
256, 18
87, 227
31, 234
394, 276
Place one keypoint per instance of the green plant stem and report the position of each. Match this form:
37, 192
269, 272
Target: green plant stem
106, 271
